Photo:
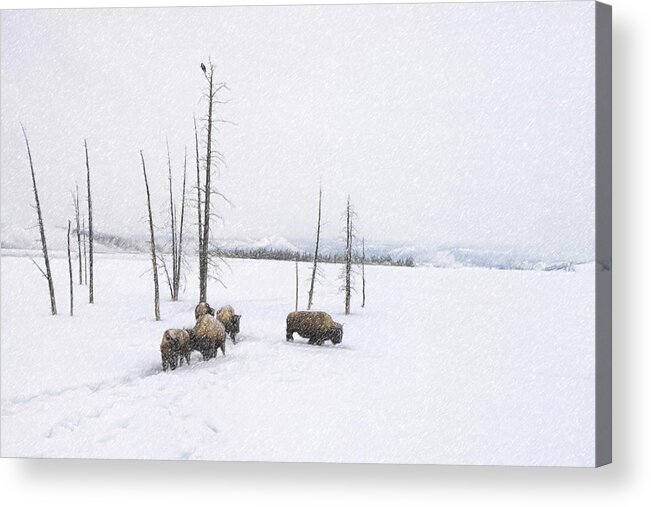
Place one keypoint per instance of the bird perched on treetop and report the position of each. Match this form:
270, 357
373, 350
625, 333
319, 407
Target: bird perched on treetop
203, 67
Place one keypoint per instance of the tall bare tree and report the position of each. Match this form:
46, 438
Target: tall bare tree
172, 280
84, 244
199, 219
316, 254
78, 227
205, 239
47, 273
296, 295
70, 273
152, 242
90, 228
213, 89
348, 255
363, 274
179, 250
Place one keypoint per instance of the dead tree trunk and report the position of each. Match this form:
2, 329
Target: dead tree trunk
78, 227
205, 240
179, 250
316, 255
90, 228
296, 295
172, 226
152, 242
84, 241
199, 219
363, 275
70, 273
48, 273
348, 256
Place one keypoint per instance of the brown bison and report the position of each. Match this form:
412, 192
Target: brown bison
174, 347
226, 315
203, 309
317, 327
207, 336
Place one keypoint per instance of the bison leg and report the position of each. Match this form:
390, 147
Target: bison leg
290, 336
223, 347
233, 335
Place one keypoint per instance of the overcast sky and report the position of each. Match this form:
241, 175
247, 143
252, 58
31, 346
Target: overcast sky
450, 124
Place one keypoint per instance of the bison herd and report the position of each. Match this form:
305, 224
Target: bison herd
212, 327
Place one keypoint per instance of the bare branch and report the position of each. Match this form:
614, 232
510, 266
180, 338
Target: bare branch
39, 268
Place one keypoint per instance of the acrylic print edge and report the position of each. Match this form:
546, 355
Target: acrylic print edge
603, 233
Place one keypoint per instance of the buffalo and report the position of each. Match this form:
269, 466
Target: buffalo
317, 327
174, 347
207, 336
226, 315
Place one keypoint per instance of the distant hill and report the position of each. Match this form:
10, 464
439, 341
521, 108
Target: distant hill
278, 247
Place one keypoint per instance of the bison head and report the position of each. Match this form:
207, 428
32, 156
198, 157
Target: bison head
203, 309
337, 333
235, 323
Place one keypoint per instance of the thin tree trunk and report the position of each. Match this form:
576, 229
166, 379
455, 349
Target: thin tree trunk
152, 241
316, 255
170, 282
296, 296
78, 227
70, 272
199, 220
172, 224
348, 256
90, 228
203, 293
41, 227
84, 242
180, 243
363, 275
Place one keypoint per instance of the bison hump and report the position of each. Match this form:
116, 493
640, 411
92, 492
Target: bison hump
225, 313
207, 325
313, 320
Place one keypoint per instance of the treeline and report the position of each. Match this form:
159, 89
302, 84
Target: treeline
278, 254
291, 255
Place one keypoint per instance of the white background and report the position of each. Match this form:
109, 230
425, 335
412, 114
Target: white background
625, 482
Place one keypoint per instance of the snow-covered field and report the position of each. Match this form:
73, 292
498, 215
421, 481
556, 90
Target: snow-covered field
443, 366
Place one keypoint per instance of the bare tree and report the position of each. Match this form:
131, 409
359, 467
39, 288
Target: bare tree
363, 275
84, 244
348, 255
90, 228
208, 191
78, 227
199, 220
316, 254
179, 250
47, 273
296, 296
172, 280
152, 242
70, 273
